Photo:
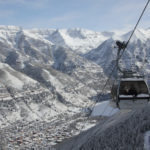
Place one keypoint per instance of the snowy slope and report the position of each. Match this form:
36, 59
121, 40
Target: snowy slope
79, 40
70, 82
124, 130
136, 55
11, 77
104, 109
22, 98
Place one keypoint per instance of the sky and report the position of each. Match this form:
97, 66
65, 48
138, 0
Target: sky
97, 15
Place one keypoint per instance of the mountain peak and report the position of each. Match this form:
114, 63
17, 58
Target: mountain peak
138, 34
11, 28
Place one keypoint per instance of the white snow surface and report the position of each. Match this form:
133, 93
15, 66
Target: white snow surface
79, 40
10, 77
104, 109
132, 79
147, 140
139, 95
143, 95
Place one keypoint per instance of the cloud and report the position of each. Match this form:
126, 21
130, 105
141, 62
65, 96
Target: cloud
124, 14
63, 21
6, 13
36, 4
97, 14
145, 24
132, 12
11, 1
66, 17
128, 6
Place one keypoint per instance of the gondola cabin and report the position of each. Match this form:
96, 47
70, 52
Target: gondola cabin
130, 93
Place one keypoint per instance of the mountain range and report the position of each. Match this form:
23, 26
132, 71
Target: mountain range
71, 63
45, 73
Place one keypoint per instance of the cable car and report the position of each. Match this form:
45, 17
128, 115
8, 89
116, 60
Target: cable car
130, 92
131, 89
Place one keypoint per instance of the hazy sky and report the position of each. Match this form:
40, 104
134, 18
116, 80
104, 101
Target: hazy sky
98, 15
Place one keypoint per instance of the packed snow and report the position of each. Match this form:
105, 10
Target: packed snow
104, 109
147, 140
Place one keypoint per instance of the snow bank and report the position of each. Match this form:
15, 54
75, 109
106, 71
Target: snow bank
147, 140
104, 109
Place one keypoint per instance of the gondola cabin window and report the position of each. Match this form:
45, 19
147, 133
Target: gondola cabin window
133, 88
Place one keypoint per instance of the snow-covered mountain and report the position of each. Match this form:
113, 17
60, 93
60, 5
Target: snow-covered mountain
79, 40
51, 74
136, 54
71, 80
